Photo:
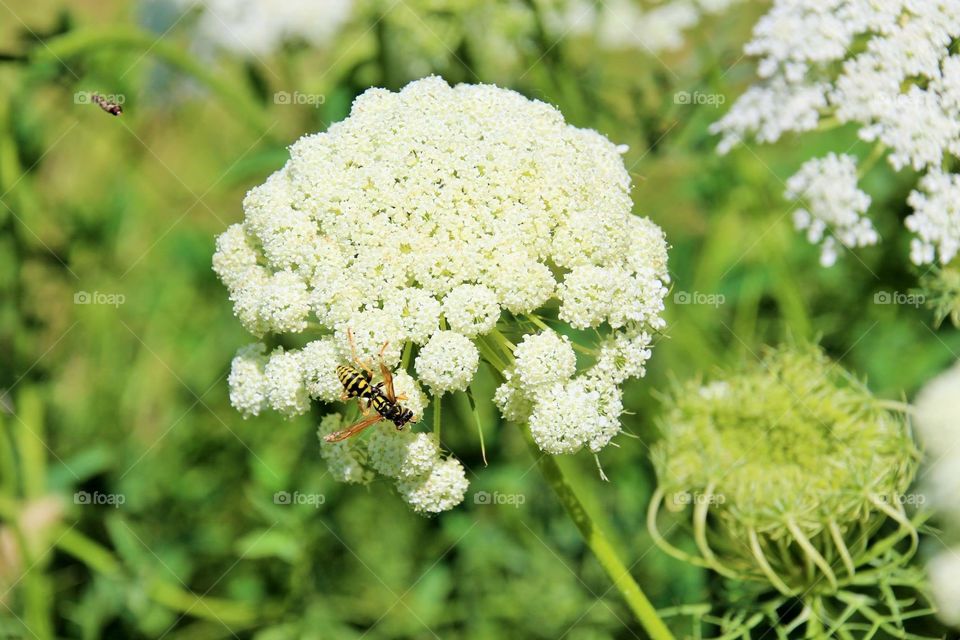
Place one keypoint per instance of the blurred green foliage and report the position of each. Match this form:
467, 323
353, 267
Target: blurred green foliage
130, 399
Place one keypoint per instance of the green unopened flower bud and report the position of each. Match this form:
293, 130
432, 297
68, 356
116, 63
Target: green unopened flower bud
790, 469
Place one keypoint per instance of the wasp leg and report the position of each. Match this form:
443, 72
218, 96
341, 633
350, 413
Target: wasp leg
365, 410
366, 366
337, 436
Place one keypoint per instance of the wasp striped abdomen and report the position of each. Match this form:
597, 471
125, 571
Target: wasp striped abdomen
356, 384
385, 405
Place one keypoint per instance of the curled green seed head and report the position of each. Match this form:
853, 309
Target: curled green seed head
788, 468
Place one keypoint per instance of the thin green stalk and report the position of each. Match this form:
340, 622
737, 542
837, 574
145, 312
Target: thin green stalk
28, 432
598, 543
876, 153
489, 354
84, 41
506, 347
437, 409
476, 420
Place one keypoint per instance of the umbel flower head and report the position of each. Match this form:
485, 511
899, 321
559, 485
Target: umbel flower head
794, 477
433, 229
888, 67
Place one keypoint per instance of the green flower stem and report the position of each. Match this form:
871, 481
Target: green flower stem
437, 410
82, 42
879, 149
490, 354
505, 345
598, 543
478, 422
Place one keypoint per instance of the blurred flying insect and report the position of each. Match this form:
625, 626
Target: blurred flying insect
380, 397
113, 108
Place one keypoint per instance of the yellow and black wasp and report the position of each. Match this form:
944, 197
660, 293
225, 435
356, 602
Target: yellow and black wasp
380, 397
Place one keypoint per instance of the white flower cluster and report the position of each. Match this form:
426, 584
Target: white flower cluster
250, 28
567, 412
624, 24
420, 220
832, 202
937, 419
936, 218
424, 478
886, 66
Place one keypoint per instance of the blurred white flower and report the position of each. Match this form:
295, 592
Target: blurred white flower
943, 569
885, 67
251, 28
937, 420
626, 24
831, 203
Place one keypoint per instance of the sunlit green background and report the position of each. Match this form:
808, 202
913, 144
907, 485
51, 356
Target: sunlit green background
130, 400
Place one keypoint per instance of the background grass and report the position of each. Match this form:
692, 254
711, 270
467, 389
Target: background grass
131, 400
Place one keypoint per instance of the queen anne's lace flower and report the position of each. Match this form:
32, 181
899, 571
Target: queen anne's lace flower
884, 66
404, 234
831, 203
